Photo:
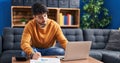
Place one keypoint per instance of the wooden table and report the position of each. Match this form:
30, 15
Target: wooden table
89, 60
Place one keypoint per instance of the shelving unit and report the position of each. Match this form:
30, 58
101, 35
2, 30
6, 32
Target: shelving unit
19, 12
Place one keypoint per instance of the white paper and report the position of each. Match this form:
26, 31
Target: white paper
45, 60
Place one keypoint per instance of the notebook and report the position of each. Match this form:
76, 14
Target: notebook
76, 50
45, 60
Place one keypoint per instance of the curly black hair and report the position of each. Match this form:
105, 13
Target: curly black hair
38, 8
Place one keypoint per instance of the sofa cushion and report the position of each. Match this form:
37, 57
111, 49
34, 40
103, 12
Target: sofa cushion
96, 54
99, 37
12, 38
114, 40
72, 35
111, 58
7, 56
103, 53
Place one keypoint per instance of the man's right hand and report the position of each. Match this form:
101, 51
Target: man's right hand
36, 55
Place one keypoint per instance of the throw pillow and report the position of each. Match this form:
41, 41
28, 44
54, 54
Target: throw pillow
114, 41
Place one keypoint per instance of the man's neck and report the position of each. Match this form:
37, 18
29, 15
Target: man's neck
41, 26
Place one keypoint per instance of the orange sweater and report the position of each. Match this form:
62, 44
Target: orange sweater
34, 36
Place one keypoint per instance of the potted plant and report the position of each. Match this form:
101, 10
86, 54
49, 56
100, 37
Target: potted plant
23, 20
95, 14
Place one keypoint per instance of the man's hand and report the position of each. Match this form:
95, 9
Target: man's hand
36, 55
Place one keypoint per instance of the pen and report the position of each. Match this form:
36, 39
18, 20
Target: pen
35, 50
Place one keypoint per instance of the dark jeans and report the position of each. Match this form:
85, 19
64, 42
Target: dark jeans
48, 51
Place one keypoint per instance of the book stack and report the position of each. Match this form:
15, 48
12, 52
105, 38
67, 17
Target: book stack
65, 19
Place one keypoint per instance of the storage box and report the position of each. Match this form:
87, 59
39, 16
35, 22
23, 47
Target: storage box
63, 3
17, 2
28, 2
31, 2
52, 3
42, 1
74, 3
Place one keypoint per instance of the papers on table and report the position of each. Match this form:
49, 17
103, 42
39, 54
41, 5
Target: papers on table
45, 60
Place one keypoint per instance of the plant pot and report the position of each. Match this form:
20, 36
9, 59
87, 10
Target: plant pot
23, 23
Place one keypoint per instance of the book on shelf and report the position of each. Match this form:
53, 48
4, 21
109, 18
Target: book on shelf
65, 20
72, 20
69, 20
61, 19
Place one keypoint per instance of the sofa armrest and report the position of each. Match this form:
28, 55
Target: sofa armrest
0, 45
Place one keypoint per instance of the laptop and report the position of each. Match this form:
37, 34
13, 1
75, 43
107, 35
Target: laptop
76, 50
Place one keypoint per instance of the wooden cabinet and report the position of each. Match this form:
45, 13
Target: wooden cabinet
20, 12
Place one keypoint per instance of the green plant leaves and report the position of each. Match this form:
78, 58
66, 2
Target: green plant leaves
96, 15
23, 20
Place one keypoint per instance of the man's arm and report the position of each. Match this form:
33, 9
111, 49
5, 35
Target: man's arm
61, 38
25, 42
26, 45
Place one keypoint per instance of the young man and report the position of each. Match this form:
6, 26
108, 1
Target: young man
41, 33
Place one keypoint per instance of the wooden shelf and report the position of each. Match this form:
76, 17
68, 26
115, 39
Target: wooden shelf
20, 7
18, 25
70, 26
18, 12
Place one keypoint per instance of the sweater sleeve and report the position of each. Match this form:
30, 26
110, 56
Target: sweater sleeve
61, 38
25, 41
